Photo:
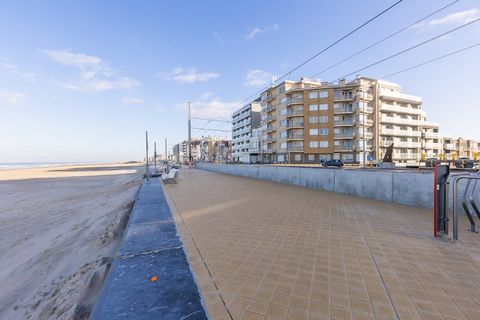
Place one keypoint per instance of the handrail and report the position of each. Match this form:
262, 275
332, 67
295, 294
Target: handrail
455, 180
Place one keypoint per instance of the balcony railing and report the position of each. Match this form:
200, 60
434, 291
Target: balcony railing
296, 136
271, 139
269, 108
295, 124
271, 118
295, 112
401, 133
344, 135
399, 109
431, 135
401, 144
294, 100
294, 148
271, 128
398, 120
433, 145
343, 97
345, 147
344, 123
343, 110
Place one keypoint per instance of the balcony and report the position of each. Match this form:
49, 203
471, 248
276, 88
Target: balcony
345, 135
400, 133
367, 122
344, 148
295, 124
343, 110
399, 109
271, 139
294, 101
295, 148
431, 135
271, 118
295, 136
401, 144
294, 112
343, 97
405, 156
400, 96
449, 146
399, 120
269, 108
344, 123
365, 109
433, 145
271, 129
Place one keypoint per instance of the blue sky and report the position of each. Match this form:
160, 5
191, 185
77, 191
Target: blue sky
82, 81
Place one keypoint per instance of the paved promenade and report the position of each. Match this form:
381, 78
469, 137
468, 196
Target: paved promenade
261, 250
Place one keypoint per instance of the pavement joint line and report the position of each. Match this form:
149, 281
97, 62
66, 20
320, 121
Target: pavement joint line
199, 253
380, 274
144, 253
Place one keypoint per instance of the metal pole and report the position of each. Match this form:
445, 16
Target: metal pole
189, 146
155, 156
146, 150
364, 142
166, 156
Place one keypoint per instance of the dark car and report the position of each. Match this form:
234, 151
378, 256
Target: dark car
464, 163
432, 162
333, 163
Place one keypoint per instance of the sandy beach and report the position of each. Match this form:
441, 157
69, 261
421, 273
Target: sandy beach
59, 227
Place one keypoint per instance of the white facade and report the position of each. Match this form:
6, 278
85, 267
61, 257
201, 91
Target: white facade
243, 122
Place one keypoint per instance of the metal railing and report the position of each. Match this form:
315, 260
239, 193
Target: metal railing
469, 197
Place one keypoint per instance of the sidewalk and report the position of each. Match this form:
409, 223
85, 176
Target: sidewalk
261, 250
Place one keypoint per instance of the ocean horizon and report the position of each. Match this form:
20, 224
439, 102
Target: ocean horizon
27, 165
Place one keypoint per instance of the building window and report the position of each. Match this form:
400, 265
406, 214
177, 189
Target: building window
323, 131
283, 123
313, 144
311, 157
323, 119
313, 132
283, 145
313, 107
283, 134
323, 107
282, 89
298, 157
283, 111
323, 144
313, 119
323, 94
313, 95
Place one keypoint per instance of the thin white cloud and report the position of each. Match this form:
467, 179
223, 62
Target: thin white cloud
15, 70
12, 98
209, 108
457, 18
257, 78
189, 76
258, 30
94, 74
133, 100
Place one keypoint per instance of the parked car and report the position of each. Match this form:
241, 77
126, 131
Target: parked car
333, 163
464, 162
432, 162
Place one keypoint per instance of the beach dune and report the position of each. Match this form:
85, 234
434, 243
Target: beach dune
59, 228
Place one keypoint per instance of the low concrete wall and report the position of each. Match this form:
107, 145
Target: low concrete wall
415, 189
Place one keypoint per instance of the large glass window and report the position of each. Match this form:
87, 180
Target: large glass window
313, 119
324, 131
323, 119
283, 134
313, 132
323, 94
313, 107
311, 157
323, 144
313, 94
283, 111
323, 107
313, 144
283, 145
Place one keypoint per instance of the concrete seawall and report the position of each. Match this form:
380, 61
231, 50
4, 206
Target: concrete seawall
410, 188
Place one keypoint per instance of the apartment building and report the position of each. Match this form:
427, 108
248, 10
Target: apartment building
460, 147
310, 121
258, 145
432, 144
244, 121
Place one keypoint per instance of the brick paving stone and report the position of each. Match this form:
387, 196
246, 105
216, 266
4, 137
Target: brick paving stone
261, 250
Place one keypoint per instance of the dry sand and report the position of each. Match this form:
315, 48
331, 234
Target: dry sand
59, 226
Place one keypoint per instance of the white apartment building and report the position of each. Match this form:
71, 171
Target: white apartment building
244, 121
257, 147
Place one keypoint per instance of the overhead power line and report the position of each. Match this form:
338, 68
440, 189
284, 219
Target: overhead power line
315, 55
432, 60
384, 39
408, 49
